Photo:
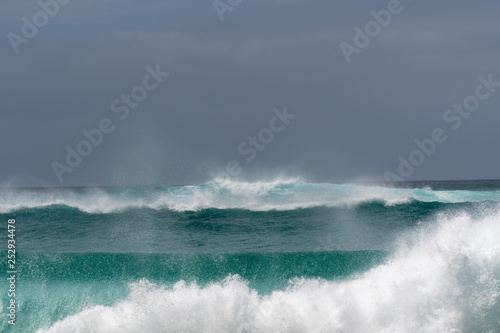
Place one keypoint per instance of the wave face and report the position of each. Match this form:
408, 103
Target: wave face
71, 282
277, 256
281, 194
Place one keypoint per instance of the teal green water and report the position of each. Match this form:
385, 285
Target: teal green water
264, 271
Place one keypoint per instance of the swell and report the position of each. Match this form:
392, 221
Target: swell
264, 271
368, 226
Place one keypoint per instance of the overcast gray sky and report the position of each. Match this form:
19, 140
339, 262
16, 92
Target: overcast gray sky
353, 120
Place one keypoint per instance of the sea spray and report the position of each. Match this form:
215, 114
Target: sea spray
280, 194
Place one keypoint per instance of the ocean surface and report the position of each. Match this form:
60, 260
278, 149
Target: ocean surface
275, 256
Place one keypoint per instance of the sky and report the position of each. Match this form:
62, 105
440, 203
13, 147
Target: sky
327, 90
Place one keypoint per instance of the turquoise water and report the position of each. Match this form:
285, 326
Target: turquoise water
280, 256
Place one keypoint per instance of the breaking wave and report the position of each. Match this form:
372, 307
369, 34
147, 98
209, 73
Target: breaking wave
280, 194
442, 278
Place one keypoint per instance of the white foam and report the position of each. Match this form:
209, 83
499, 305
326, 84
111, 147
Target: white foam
279, 194
441, 279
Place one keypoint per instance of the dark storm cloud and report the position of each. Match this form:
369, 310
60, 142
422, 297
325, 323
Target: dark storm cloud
354, 120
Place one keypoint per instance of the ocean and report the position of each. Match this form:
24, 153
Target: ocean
284, 255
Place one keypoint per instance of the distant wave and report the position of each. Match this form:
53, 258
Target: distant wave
444, 278
280, 194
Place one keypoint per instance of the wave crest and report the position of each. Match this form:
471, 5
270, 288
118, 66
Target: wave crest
280, 194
